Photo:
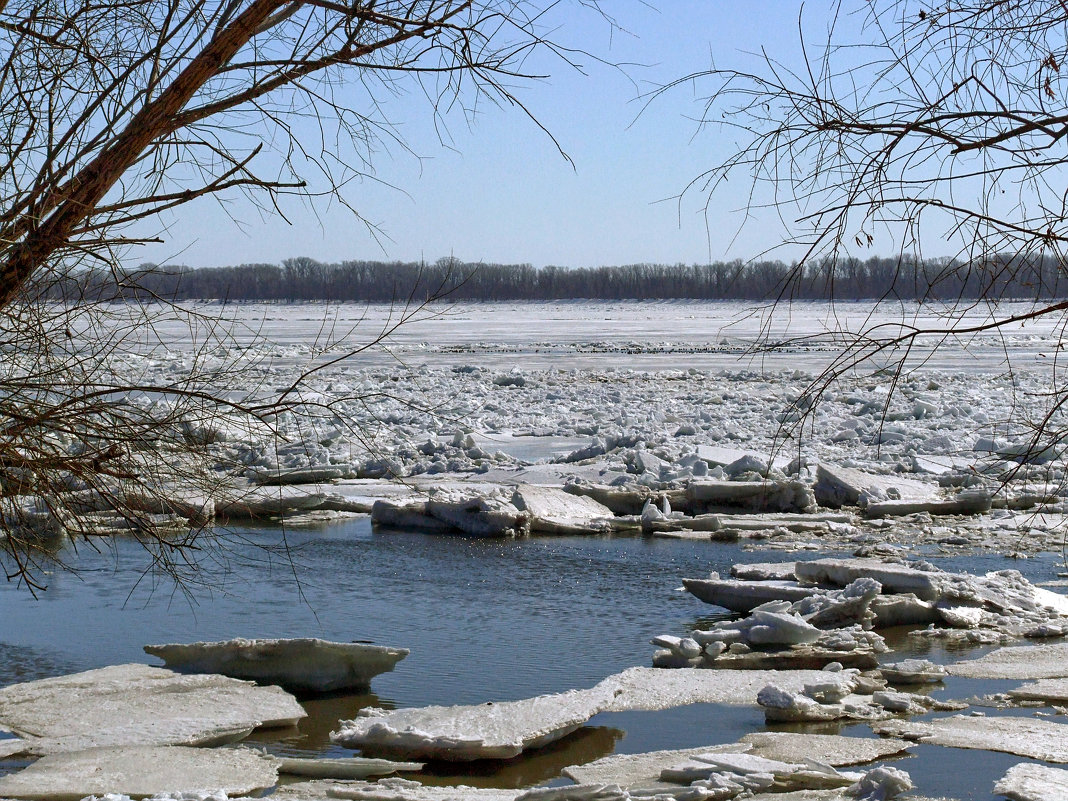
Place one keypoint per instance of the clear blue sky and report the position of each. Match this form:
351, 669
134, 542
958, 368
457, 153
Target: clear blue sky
500, 191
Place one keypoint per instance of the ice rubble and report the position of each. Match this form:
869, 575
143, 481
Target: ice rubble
643, 770
140, 705
139, 771
300, 665
866, 592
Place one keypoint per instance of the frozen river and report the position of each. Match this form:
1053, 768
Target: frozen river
501, 620
635, 334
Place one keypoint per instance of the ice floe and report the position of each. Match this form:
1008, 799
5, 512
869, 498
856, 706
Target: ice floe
503, 730
1029, 782
139, 771
300, 665
1027, 737
140, 705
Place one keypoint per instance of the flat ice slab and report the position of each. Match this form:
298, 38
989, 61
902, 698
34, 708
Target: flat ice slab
553, 511
1030, 782
844, 486
139, 771
504, 730
301, 665
463, 733
1026, 737
140, 705
388, 790
1019, 662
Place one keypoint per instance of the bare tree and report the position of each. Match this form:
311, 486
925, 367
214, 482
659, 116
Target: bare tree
914, 125
115, 111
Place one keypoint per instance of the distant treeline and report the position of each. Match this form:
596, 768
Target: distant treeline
304, 279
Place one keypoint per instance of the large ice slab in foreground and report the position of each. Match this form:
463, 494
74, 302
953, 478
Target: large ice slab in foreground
140, 705
504, 730
139, 771
1029, 782
1027, 737
301, 665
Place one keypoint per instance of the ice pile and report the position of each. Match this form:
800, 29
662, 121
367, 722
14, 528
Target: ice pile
878, 593
844, 694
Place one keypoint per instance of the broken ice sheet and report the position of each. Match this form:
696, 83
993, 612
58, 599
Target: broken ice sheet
140, 705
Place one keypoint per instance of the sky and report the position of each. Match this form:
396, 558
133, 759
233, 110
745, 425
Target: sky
497, 190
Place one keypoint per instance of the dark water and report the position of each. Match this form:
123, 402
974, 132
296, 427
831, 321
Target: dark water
484, 619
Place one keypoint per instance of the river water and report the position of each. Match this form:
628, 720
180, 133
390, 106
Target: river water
484, 619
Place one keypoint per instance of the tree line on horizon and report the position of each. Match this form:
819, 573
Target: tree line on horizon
305, 279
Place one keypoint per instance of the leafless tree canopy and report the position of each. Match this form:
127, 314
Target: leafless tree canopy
114, 111
938, 128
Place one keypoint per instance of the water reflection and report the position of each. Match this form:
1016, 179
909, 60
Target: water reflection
534, 767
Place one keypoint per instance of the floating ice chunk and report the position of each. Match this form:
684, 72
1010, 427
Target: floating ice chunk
1027, 737
1030, 782
555, 511
782, 705
140, 705
303, 665
463, 733
139, 771
767, 628
1052, 691
913, 671
881, 784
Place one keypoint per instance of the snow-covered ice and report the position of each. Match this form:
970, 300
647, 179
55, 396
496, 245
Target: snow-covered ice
139, 771
140, 705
